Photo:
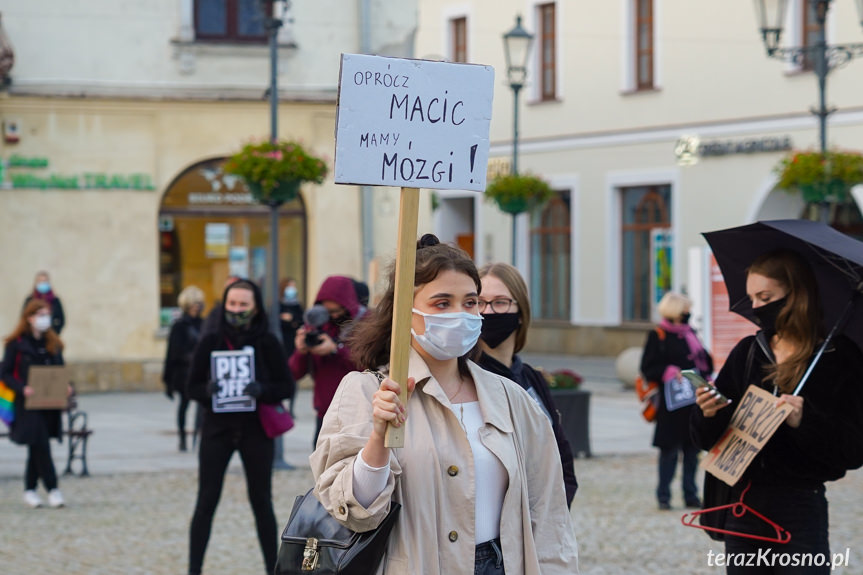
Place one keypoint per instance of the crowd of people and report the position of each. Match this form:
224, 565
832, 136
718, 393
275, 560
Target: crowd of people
477, 414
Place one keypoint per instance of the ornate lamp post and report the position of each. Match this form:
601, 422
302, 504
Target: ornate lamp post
771, 18
516, 44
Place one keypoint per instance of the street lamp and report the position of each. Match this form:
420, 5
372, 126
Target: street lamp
516, 45
771, 17
272, 25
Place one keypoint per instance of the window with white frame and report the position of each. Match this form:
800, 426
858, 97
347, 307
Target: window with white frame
230, 21
644, 42
458, 39
645, 209
547, 44
551, 259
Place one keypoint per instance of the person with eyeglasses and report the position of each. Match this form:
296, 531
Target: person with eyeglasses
477, 477
505, 309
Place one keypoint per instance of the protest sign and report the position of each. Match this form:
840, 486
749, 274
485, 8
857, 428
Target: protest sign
50, 386
413, 123
754, 422
678, 393
233, 371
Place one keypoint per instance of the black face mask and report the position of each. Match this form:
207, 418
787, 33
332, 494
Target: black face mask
239, 319
767, 314
684, 317
496, 327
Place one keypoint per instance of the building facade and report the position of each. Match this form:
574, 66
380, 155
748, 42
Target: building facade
655, 121
117, 119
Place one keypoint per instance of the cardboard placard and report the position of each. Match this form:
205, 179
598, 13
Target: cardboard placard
50, 384
413, 123
754, 422
233, 371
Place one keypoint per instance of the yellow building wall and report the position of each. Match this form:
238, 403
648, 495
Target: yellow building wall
101, 246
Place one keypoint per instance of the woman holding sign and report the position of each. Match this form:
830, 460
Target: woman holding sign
673, 346
33, 342
821, 438
251, 368
479, 477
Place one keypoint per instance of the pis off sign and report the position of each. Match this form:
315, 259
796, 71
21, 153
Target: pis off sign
413, 123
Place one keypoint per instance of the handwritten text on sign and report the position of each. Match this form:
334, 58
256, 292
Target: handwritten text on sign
233, 371
413, 123
754, 422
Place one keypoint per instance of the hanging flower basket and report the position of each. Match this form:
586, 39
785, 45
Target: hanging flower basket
515, 194
273, 172
821, 178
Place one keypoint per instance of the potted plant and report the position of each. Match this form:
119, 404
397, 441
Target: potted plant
821, 178
515, 194
573, 403
273, 171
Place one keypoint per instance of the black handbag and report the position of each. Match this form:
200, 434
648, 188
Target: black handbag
313, 543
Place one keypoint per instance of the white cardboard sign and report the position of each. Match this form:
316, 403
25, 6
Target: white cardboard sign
413, 123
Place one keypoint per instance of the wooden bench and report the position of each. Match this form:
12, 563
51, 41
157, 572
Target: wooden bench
77, 434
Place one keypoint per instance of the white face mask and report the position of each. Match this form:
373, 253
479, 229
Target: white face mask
42, 323
449, 335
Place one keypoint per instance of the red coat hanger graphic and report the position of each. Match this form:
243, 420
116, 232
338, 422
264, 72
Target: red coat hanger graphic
738, 509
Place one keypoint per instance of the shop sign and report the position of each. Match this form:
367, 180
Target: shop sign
85, 181
688, 149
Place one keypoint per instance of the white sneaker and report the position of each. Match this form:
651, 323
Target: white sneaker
55, 498
32, 499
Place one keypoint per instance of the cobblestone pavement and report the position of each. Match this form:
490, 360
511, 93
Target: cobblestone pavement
138, 524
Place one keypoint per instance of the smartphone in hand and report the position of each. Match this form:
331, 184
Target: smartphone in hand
697, 381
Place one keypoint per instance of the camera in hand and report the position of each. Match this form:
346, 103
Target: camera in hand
315, 318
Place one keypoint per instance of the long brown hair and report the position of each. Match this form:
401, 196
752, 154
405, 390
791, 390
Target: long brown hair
370, 339
511, 278
52, 340
799, 320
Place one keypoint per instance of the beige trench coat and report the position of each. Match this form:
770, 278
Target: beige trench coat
433, 478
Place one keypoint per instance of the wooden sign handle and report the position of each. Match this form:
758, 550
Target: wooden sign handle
400, 345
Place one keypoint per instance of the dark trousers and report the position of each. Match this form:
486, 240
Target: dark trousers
802, 512
488, 559
182, 407
667, 466
256, 452
40, 465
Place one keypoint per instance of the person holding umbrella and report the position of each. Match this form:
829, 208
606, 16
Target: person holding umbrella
822, 437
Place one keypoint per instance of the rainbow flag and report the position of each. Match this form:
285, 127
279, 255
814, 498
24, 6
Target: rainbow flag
7, 404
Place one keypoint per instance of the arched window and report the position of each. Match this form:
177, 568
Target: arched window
210, 228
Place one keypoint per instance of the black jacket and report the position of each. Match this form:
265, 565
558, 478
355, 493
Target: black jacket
182, 340
828, 441
271, 368
289, 328
526, 377
672, 427
30, 426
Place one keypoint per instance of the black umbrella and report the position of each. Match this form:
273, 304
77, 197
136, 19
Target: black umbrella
835, 259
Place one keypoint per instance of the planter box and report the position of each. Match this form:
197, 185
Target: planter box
574, 407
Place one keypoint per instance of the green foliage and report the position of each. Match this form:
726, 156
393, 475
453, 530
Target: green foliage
518, 193
821, 178
267, 167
